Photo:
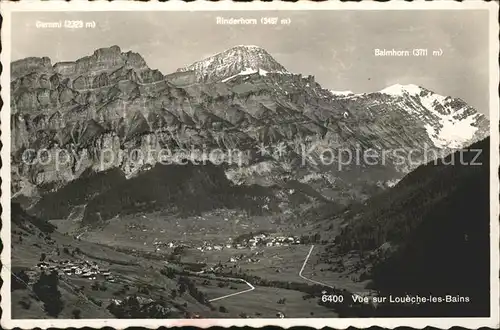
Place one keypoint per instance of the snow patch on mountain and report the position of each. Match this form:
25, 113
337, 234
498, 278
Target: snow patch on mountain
452, 128
248, 71
245, 72
400, 90
432, 100
341, 93
452, 132
446, 126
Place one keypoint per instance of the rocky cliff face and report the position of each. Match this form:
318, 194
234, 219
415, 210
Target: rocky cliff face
110, 110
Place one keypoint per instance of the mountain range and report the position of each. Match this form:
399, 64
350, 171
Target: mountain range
100, 108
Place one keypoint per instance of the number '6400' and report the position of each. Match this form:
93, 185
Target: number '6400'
332, 298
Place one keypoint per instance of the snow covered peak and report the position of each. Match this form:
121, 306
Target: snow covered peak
341, 93
400, 90
426, 97
231, 62
449, 122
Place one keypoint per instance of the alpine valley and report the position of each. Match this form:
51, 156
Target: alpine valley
262, 236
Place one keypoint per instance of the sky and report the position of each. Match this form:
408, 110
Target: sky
337, 47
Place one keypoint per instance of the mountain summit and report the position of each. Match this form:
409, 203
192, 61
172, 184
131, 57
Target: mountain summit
231, 62
399, 90
450, 122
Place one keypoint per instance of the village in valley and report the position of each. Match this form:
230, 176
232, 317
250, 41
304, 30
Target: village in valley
78, 268
243, 242
251, 242
230, 253
243, 238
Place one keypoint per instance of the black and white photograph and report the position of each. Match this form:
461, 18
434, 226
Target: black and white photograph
226, 167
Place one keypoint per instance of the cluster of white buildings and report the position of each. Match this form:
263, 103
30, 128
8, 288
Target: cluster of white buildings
236, 258
213, 247
159, 245
240, 257
251, 243
80, 268
263, 239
